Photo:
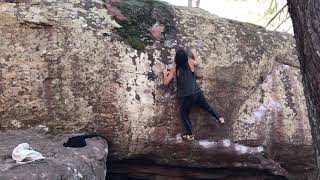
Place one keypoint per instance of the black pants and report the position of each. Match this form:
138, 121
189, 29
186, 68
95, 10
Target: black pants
188, 102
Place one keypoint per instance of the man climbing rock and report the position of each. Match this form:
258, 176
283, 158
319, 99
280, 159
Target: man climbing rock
187, 88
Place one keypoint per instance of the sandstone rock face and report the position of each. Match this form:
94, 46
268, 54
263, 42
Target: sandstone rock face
60, 162
95, 65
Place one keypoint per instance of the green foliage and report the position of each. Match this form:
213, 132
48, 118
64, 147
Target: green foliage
136, 43
274, 11
140, 14
273, 7
131, 35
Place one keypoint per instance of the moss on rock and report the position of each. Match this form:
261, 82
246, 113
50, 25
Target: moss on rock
141, 16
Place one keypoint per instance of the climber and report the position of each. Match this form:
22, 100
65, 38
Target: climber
187, 88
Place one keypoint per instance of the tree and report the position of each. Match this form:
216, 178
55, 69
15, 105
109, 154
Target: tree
190, 3
197, 3
306, 24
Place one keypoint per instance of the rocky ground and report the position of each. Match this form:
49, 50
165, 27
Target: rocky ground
60, 162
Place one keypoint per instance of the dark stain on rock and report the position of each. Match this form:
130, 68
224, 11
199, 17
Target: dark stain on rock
49, 95
53, 88
128, 89
261, 100
134, 61
115, 78
151, 61
287, 87
77, 84
36, 25
151, 76
154, 96
37, 48
8, 57
1, 81
135, 81
245, 110
106, 34
138, 97
21, 93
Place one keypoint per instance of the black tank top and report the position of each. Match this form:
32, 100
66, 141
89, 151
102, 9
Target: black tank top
186, 82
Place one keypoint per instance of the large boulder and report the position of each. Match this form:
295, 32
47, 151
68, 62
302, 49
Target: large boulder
97, 66
88, 162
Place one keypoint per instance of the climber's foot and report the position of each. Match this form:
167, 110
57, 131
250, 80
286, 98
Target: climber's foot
188, 137
221, 120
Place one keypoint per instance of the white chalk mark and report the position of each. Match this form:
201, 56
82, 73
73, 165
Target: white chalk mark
226, 142
179, 138
274, 105
259, 114
207, 144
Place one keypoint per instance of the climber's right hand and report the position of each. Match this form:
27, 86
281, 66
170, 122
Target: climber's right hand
221, 120
165, 71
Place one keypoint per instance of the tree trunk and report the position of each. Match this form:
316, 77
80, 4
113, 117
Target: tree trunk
189, 3
197, 3
306, 22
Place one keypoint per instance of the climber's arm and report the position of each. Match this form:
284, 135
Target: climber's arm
167, 76
194, 58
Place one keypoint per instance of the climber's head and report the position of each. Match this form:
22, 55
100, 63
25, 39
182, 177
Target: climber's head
181, 58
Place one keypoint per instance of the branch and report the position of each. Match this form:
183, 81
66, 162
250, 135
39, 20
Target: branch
270, 6
276, 15
289, 28
281, 23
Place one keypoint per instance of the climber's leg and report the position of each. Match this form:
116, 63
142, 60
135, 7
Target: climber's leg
202, 102
187, 103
